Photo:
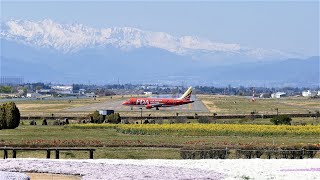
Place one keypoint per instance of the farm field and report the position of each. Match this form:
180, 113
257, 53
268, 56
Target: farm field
111, 143
221, 104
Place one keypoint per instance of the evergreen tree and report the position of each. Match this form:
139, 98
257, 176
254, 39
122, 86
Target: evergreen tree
114, 118
96, 117
3, 123
12, 115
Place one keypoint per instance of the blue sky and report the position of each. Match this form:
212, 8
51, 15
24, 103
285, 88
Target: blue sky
286, 26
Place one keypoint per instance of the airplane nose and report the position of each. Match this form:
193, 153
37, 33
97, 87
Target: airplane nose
125, 103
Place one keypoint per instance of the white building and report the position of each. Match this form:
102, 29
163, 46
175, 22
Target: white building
82, 91
278, 94
92, 94
33, 95
63, 89
44, 91
309, 93
147, 93
265, 95
106, 112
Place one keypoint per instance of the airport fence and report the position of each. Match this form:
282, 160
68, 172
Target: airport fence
195, 116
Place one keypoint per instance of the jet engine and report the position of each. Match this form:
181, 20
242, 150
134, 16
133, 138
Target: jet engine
149, 106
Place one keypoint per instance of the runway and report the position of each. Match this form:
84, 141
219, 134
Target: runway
116, 105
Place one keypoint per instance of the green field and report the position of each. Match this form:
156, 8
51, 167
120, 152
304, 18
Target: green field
113, 144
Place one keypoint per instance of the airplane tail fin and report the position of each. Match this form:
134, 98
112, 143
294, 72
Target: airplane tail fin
187, 94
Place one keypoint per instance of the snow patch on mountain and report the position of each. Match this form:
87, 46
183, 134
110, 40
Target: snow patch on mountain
70, 38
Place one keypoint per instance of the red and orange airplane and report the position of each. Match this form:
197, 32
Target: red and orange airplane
149, 103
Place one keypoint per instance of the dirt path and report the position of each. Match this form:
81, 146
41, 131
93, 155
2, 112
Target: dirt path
42, 176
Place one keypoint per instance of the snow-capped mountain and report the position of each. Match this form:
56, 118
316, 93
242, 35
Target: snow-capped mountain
75, 53
71, 38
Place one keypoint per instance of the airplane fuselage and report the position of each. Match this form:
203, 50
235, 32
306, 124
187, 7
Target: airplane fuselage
149, 102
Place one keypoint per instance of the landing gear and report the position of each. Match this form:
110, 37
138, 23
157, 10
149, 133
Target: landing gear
157, 108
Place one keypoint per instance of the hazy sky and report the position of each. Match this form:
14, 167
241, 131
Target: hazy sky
286, 26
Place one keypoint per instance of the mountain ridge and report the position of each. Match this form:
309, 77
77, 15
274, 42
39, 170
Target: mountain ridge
133, 59
148, 65
70, 38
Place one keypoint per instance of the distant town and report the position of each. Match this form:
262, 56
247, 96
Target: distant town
46, 90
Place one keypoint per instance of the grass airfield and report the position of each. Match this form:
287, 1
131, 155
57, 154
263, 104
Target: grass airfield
113, 144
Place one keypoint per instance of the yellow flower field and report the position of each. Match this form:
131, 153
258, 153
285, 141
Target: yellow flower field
208, 129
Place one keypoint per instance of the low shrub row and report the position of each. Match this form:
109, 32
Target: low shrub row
91, 126
204, 153
248, 152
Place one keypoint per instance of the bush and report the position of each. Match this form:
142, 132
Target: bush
33, 123
67, 121
58, 123
95, 117
195, 116
282, 119
249, 152
291, 152
152, 121
181, 120
311, 150
9, 116
159, 121
204, 153
125, 121
204, 120
44, 122
114, 118
2, 118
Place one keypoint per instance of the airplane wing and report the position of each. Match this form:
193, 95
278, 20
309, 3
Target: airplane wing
158, 105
